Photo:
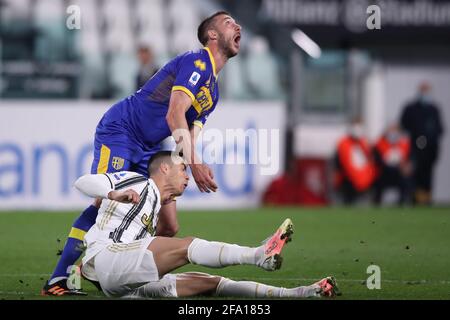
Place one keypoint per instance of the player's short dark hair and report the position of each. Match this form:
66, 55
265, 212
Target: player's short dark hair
205, 26
157, 159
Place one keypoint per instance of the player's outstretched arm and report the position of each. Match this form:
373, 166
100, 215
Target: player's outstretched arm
176, 120
168, 221
127, 196
99, 186
185, 139
202, 173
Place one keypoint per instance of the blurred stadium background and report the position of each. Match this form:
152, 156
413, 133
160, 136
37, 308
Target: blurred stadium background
306, 68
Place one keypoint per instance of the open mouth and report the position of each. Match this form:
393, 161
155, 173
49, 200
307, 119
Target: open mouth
237, 39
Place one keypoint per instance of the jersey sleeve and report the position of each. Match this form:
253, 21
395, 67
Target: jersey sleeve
94, 185
124, 179
100, 185
191, 75
201, 120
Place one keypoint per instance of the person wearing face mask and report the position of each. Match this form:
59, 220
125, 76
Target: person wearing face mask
391, 153
421, 119
355, 167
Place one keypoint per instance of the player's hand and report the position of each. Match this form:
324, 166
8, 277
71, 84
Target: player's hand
127, 196
204, 177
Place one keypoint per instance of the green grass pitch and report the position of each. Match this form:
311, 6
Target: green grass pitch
411, 246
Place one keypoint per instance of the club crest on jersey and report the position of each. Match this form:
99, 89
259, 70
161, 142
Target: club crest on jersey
117, 163
193, 80
200, 64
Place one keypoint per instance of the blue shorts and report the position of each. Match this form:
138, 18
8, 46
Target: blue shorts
114, 151
110, 157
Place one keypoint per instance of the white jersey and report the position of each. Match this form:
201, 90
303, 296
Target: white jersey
120, 222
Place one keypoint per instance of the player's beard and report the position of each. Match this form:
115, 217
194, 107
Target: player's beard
225, 46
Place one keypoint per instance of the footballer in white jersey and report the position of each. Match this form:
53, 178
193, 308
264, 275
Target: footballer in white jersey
126, 260
124, 222
127, 224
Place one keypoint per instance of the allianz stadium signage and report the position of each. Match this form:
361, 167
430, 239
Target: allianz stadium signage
419, 20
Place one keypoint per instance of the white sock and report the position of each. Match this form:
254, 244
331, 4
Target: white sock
219, 254
302, 292
230, 288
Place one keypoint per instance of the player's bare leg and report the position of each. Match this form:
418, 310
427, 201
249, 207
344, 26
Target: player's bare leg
169, 253
187, 284
196, 283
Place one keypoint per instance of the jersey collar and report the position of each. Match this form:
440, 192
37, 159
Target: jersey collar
213, 62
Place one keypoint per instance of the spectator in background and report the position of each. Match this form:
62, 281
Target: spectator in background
147, 67
354, 164
391, 153
422, 121
284, 190
303, 183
